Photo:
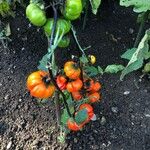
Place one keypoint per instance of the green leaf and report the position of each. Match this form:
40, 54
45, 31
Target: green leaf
132, 67
139, 5
43, 62
100, 70
95, 5
128, 54
64, 117
93, 71
114, 68
81, 116
84, 59
139, 55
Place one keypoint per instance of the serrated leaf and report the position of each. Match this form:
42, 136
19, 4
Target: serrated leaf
139, 5
114, 68
128, 54
137, 58
81, 116
95, 5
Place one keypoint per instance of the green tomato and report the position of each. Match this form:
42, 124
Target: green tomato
147, 68
73, 9
65, 41
36, 15
63, 26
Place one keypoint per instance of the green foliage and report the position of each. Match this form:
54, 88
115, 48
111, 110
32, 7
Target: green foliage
5, 32
114, 68
139, 5
81, 116
95, 5
93, 71
137, 57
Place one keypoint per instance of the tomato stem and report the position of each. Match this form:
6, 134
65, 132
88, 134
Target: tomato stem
54, 25
63, 95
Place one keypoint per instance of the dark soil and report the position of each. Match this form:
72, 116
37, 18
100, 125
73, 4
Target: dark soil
123, 115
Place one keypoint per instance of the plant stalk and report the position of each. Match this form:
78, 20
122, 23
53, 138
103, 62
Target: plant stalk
85, 16
141, 29
59, 90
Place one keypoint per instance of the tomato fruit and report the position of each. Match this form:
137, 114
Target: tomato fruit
89, 109
72, 9
36, 15
88, 84
72, 125
37, 85
61, 82
96, 87
65, 41
72, 70
77, 95
74, 86
63, 26
94, 97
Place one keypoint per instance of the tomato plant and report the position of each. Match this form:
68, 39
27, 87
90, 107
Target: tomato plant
74, 85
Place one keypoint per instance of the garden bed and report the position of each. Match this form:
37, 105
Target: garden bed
123, 115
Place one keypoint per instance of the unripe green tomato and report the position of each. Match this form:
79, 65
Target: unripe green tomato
65, 41
147, 68
63, 25
73, 9
36, 15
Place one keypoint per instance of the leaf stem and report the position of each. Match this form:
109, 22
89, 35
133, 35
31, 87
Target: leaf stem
141, 29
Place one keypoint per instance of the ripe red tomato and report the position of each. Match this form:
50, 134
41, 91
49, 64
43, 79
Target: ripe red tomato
61, 82
77, 95
94, 97
96, 87
72, 125
37, 85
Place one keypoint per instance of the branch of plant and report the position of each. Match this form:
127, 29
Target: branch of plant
59, 90
76, 40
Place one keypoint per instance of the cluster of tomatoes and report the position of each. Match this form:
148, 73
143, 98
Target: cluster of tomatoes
70, 11
74, 84
40, 86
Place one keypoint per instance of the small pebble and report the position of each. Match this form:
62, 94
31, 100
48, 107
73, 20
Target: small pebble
114, 109
126, 93
131, 31
103, 121
6, 97
9, 145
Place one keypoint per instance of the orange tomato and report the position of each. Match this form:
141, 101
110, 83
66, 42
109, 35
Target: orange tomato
74, 86
94, 97
77, 95
37, 85
89, 109
96, 87
61, 82
72, 125
72, 70
88, 84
